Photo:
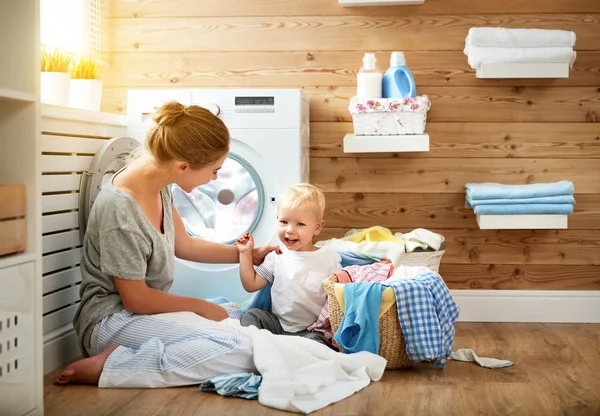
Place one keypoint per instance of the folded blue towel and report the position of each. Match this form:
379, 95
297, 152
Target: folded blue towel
490, 190
238, 385
558, 199
524, 209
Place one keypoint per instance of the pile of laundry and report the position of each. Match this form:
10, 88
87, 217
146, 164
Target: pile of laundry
381, 242
534, 199
500, 45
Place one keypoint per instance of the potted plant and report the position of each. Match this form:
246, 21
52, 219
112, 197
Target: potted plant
55, 77
86, 91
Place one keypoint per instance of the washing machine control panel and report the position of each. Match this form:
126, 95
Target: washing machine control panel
246, 104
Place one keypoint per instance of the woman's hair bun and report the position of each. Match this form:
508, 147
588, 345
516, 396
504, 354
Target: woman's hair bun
168, 113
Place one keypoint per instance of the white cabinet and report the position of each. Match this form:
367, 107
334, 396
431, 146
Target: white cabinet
21, 376
17, 340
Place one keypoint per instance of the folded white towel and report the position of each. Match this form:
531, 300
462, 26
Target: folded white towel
478, 54
519, 38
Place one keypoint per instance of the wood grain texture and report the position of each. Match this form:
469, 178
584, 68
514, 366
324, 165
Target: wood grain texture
477, 140
228, 8
520, 276
331, 33
448, 175
475, 246
554, 373
436, 211
453, 104
314, 68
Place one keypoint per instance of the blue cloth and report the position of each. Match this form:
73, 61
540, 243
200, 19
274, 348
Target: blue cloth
359, 329
238, 385
558, 199
427, 313
490, 190
524, 209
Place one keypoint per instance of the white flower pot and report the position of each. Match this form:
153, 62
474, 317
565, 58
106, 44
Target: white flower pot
85, 94
54, 88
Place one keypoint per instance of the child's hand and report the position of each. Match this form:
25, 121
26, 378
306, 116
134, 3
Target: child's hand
245, 243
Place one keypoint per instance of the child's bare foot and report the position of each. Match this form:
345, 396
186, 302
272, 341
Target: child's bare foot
85, 371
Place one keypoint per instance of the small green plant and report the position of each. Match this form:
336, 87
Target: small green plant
55, 60
84, 68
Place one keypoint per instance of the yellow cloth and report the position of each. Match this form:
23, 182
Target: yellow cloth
376, 233
388, 297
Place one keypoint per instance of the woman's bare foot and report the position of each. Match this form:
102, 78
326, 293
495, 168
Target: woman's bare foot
85, 371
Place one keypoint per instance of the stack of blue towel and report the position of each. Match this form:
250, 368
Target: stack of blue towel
540, 198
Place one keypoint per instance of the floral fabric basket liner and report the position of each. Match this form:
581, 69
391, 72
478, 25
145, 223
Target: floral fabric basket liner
389, 116
420, 104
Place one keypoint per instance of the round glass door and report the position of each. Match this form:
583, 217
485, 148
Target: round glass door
225, 208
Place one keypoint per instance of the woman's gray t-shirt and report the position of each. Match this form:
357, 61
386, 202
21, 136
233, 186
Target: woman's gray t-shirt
120, 241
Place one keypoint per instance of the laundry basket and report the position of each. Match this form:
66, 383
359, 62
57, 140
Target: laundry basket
392, 345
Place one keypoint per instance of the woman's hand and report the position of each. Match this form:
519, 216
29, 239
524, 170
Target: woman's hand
259, 253
245, 243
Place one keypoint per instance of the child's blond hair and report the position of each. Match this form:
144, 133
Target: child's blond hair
304, 195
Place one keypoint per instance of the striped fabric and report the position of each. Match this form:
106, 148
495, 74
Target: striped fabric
167, 350
243, 385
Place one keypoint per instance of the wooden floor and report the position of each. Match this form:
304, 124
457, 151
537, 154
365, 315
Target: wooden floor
556, 372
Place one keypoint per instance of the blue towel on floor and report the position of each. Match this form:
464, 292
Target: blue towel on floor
490, 190
359, 329
558, 199
524, 209
238, 385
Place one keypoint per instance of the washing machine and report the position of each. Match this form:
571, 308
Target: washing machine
269, 151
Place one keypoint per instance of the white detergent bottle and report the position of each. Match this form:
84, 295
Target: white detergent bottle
368, 80
398, 82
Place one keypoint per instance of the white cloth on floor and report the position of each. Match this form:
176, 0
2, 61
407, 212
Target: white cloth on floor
519, 38
300, 375
421, 238
466, 354
479, 54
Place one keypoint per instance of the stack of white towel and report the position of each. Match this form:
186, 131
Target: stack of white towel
500, 45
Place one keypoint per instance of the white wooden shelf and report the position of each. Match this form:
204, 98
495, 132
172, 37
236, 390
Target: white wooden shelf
7, 94
522, 222
523, 70
379, 144
357, 3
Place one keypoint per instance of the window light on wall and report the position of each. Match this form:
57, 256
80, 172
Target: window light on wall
72, 26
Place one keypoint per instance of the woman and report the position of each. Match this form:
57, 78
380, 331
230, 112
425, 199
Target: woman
135, 333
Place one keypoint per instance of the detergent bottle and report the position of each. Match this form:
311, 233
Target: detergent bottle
397, 80
368, 79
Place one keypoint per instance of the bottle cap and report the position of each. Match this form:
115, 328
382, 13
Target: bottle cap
369, 61
397, 59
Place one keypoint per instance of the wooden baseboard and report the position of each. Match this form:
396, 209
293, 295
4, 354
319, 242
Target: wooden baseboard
562, 306
60, 348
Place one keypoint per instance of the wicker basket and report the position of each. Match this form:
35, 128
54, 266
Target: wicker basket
392, 345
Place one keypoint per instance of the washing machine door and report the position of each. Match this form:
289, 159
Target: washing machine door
223, 209
111, 157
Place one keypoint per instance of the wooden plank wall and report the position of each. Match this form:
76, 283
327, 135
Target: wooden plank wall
510, 131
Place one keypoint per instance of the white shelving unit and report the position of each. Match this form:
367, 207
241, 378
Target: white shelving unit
21, 376
522, 222
378, 144
523, 70
357, 3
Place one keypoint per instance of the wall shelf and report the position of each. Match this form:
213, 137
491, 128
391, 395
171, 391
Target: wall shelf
522, 222
378, 144
523, 70
360, 3
9, 94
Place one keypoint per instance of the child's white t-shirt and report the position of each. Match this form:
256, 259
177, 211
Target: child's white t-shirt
297, 294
